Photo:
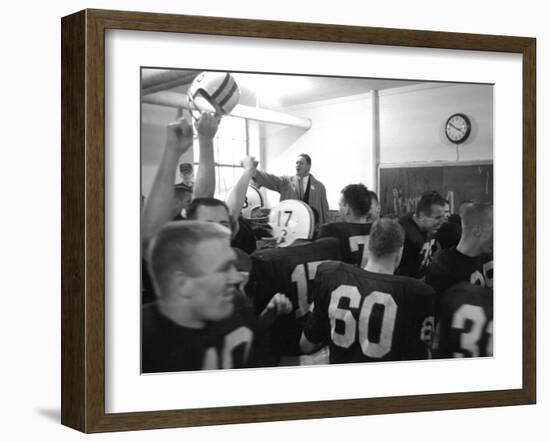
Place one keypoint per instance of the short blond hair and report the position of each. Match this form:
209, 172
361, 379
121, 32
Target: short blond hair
386, 237
174, 246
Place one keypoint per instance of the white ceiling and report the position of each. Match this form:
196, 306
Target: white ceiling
281, 91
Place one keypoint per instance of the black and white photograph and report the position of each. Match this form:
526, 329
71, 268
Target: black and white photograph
275, 221
296, 220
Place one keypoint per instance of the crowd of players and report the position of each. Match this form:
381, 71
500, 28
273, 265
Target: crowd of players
365, 288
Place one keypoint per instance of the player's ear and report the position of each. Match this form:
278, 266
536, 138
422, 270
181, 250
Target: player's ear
182, 284
345, 210
421, 217
477, 231
348, 210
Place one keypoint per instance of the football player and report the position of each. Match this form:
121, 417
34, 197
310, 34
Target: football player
164, 202
187, 175
353, 230
182, 198
200, 319
289, 268
371, 315
420, 229
237, 199
464, 322
448, 235
471, 260
195, 275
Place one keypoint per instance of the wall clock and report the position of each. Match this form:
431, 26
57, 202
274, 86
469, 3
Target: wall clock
458, 128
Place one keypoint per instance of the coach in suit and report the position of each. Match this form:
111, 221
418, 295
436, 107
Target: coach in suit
302, 186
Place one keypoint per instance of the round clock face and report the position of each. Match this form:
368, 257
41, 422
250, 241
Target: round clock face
457, 128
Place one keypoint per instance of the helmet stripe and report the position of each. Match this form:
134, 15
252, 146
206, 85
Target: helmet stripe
228, 96
222, 86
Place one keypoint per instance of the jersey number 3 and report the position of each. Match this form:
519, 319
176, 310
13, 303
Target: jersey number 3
471, 340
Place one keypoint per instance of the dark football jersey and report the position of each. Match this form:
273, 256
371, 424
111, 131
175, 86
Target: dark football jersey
289, 270
417, 251
465, 325
448, 235
167, 346
245, 238
366, 316
354, 240
450, 267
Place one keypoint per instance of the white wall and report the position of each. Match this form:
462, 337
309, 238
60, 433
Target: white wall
412, 122
339, 143
412, 129
153, 138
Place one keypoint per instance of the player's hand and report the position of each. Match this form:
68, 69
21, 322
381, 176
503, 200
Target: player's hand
278, 305
242, 284
179, 136
250, 164
207, 125
281, 304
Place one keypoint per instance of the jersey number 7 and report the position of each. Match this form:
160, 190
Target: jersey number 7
360, 243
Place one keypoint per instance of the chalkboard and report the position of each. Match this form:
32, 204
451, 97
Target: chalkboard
402, 186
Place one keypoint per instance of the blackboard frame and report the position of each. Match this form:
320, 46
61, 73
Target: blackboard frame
424, 164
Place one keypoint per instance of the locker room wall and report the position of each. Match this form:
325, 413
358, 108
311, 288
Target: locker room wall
339, 143
412, 122
153, 138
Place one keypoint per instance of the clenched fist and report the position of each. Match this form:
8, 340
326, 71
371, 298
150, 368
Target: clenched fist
279, 305
207, 125
179, 136
249, 163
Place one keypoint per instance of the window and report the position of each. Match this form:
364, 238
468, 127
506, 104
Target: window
230, 147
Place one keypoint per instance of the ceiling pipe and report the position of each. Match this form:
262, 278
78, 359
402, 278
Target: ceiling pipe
173, 99
163, 80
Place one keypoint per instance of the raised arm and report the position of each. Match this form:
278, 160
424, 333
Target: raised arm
271, 182
236, 197
159, 204
205, 183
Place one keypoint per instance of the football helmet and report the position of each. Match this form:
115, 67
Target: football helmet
252, 201
213, 92
291, 220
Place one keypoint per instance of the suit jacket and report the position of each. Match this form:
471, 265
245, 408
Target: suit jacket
287, 186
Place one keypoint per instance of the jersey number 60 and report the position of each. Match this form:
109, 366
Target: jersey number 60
336, 314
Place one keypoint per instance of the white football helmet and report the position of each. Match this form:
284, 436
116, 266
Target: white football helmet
252, 202
291, 220
213, 92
